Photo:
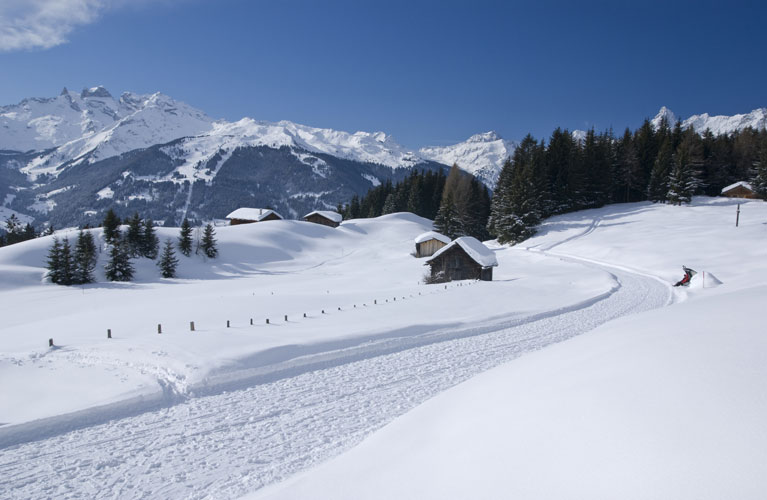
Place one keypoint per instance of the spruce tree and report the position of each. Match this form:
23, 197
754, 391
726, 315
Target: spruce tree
85, 258
185, 238
501, 204
208, 243
447, 221
111, 226
66, 264
658, 187
759, 171
683, 180
134, 236
168, 261
54, 261
119, 266
149, 241
389, 206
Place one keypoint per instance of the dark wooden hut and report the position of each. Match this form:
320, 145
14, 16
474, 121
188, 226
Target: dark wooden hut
428, 243
466, 258
324, 217
251, 215
739, 190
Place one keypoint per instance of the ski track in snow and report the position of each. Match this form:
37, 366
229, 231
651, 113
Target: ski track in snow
228, 444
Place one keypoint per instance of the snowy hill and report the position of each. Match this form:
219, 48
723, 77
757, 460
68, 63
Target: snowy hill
481, 154
719, 125
673, 384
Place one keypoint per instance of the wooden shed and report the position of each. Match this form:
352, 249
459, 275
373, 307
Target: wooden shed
428, 243
251, 215
739, 190
466, 258
324, 217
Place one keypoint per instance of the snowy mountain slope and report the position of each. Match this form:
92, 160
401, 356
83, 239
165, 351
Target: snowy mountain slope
719, 125
481, 154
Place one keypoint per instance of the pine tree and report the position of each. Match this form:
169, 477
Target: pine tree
501, 204
134, 236
208, 244
390, 205
66, 264
85, 258
759, 171
185, 239
119, 266
111, 226
683, 180
54, 261
168, 261
149, 241
658, 187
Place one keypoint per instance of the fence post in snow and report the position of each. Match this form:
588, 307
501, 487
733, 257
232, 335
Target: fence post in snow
286, 318
267, 321
159, 328
191, 326
227, 323
50, 342
251, 321
109, 333
737, 216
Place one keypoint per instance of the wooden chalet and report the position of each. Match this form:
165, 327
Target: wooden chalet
324, 217
466, 258
739, 190
428, 243
251, 215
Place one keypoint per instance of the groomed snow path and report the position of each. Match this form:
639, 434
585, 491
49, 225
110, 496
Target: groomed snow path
228, 444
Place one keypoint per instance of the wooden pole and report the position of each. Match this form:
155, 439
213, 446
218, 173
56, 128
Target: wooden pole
50, 342
267, 321
227, 323
109, 333
159, 328
191, 326
737, 216
251, 321
286, 318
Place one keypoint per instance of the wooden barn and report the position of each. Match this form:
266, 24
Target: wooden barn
324, 217
466, 258
251, 215
739, 190
428, 243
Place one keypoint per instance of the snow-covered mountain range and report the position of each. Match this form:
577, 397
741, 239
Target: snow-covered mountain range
718, 125
153, 153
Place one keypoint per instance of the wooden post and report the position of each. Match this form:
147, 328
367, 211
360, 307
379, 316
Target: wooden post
339, 308
267, 321
227, 323
191, 326
304, 315
323, 311
375, 301
286, 318
251, 321
109, 333
50, 342
737, 216
159, 328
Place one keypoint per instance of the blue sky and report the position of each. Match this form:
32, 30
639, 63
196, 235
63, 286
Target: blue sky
429, 73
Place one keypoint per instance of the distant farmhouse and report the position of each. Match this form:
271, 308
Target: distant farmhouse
739, 190
428, 243
324, 217
251, 215
466, 258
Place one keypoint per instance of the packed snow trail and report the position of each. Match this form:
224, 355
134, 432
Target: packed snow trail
228, 444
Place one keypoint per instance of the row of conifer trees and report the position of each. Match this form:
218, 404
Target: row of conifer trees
67, 266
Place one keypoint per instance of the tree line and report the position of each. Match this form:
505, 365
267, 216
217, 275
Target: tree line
67, 266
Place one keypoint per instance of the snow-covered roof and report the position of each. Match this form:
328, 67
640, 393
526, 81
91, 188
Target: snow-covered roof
328, 214
474, 248
432, 235
738, 184
256, 214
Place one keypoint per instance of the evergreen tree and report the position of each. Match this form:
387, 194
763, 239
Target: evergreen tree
111, 226
389, 206
119, 266
66, 264
658, 187
447, 221
208, 244
85, 258
149, 241
501, 204
134, 236
683, 181
759, 172
168, 261
185, 239
54, 261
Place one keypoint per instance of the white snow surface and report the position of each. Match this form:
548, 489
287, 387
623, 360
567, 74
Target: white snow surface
221, 412
668, 403
481, 154
473, 247
432, 235
328, 214
718, 125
